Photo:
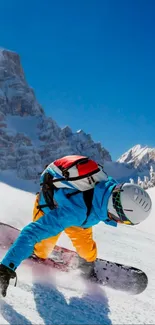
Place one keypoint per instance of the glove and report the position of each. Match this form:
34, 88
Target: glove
5, 275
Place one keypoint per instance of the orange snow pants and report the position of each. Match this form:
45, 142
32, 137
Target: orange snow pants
82, 240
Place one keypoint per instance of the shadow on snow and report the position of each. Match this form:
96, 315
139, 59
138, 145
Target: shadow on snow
12, 316
91, 308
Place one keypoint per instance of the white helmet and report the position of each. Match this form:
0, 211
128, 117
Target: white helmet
129, 204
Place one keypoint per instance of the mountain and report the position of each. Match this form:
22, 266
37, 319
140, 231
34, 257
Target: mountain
140, 158
28, 138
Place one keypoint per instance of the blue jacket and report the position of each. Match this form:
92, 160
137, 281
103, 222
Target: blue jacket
70, 212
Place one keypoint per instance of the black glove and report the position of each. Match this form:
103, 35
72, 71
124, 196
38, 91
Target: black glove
5, 275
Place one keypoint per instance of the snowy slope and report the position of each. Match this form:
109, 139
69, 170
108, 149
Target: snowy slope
64, 298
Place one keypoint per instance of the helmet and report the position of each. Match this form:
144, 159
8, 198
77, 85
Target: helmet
129, 204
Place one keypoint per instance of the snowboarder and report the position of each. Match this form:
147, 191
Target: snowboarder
75, 195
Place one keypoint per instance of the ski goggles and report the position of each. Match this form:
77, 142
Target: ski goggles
116, 200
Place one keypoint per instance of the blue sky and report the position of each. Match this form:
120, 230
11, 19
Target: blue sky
91, 64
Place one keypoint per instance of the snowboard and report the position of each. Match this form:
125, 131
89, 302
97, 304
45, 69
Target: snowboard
109, 274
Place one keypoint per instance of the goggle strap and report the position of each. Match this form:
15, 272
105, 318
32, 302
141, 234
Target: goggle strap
115, 200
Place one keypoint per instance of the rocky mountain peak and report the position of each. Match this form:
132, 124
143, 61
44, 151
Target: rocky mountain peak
10, 65
29, 139
16, 97
139, 157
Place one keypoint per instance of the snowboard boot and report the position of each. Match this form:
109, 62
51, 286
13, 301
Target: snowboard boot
87, 269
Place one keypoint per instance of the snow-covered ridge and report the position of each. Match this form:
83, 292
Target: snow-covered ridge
141, 158
138, 154
28, 139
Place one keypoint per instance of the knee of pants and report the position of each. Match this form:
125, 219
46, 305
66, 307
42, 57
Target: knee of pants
83, 242
89, 253
45, 247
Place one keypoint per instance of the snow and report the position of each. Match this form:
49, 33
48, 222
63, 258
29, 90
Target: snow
118, 170
44, 296
10, 177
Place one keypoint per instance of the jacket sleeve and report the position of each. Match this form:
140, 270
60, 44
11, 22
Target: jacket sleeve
47, 226
69, 212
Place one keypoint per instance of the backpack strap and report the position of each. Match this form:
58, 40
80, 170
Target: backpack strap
48, 189
48, 192
76, 178
88, 198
